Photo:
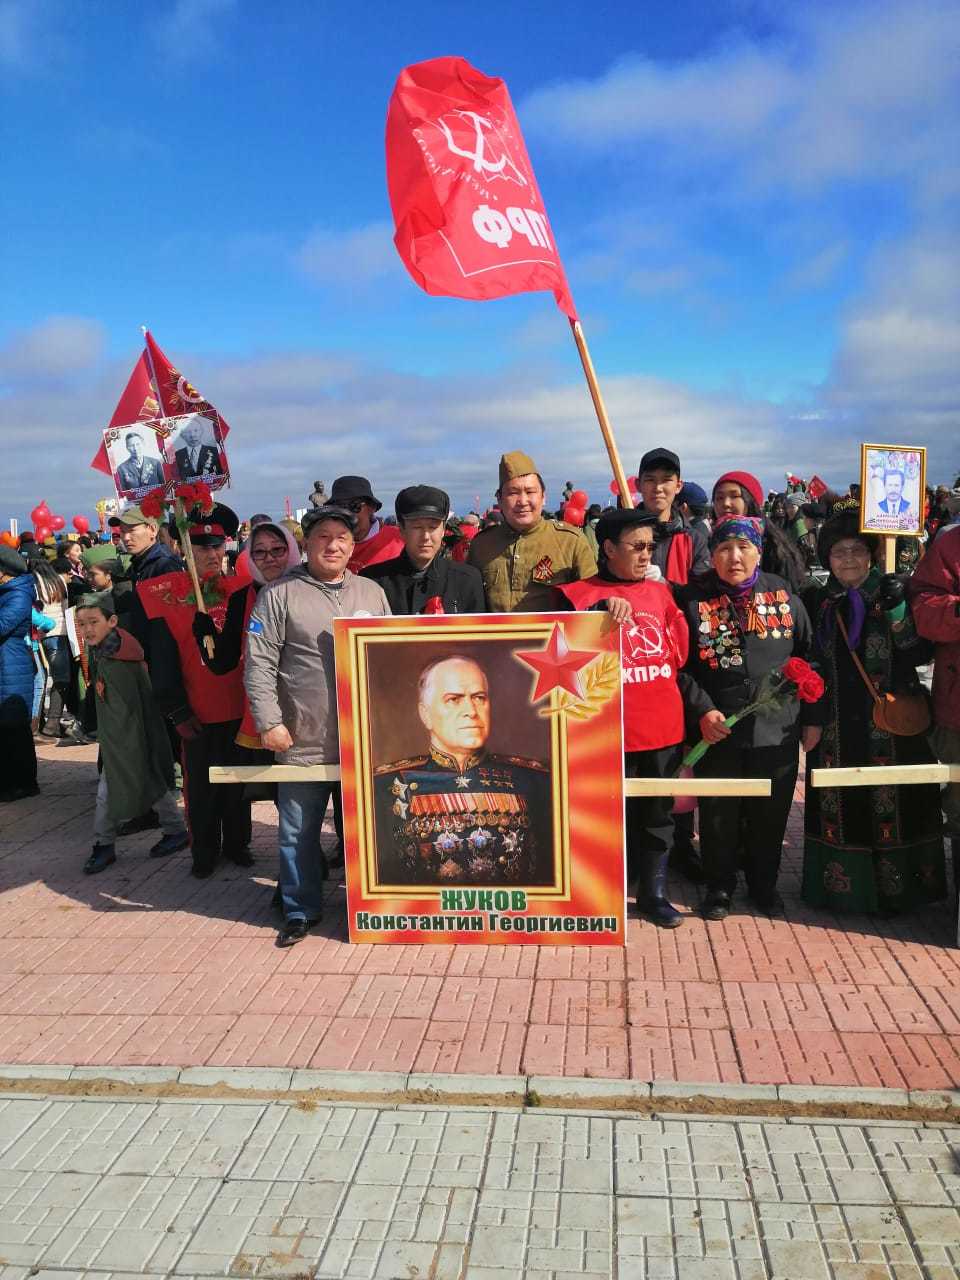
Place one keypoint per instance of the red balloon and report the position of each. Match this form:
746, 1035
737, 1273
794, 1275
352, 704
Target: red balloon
574, 514
39, 513
42, 532
57, 523
631, 485
81, 524
579, 498
242, 567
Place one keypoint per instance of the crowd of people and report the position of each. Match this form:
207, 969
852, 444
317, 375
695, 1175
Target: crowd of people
106, 640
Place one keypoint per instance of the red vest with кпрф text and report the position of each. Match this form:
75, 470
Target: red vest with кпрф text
654, 646
213, 699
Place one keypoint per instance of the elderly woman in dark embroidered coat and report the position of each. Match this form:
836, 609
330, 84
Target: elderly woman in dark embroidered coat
866, 848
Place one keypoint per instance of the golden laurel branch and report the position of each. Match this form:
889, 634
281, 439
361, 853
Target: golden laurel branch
601, 682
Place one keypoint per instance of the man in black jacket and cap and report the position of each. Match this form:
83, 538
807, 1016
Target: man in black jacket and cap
421, 579
149, 558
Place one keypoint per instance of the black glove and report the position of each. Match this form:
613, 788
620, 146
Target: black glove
892, 590
203, 626
189, 729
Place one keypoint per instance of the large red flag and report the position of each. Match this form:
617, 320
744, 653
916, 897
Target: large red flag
177, 394
139, 400
469, 216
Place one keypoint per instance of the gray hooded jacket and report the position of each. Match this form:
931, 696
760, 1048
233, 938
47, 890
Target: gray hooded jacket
289, 671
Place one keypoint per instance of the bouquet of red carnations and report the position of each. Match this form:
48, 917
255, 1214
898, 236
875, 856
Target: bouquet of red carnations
795, 679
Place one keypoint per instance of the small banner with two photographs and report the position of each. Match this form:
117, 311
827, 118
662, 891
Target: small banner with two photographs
158, 452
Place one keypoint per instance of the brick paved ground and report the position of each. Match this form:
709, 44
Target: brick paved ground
143, 964
97, 1188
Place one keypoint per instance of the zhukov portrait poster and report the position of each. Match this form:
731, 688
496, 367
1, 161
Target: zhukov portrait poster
482, 770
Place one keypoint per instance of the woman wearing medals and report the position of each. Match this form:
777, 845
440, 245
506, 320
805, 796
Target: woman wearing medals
743, 624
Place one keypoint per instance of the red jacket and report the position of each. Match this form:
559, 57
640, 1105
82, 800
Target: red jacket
654, 648
935, 603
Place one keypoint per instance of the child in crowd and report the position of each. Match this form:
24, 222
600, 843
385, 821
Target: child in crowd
135, 750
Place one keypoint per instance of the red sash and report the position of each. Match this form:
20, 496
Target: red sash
679, 559
385, 545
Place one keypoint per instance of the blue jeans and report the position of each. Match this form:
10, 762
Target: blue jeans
302, 806
39, 683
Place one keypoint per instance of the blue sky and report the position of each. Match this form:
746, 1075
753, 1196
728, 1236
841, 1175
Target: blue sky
756, 205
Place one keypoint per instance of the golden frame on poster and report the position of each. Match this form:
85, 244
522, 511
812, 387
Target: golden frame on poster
512, 834
893, 487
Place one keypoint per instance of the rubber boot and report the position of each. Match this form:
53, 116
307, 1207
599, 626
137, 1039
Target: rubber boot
652, 892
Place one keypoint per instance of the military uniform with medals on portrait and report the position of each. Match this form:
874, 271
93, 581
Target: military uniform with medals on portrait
487, 823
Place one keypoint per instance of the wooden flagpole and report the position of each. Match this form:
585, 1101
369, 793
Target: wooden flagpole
626, 497
178, 506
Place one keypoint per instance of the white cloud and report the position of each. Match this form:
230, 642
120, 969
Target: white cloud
898, 364
302, 415
54, 349
348, 258
846, 93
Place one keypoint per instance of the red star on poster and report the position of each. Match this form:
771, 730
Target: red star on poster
556, 665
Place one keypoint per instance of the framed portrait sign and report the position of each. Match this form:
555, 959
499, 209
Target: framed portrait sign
481, 762
893, 481
193, 449
135, 454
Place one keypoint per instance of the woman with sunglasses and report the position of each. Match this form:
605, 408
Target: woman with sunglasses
271, 551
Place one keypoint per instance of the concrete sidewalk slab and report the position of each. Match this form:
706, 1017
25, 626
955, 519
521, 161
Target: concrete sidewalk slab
143, 966
341, 1192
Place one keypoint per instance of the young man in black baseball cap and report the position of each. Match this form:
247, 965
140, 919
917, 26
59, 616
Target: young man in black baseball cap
680, 550
421, 578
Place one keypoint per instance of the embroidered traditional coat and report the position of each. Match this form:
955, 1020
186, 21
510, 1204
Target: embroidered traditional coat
868, 848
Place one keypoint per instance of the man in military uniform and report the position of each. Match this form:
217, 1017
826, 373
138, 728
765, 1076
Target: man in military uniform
524, 559
461, 815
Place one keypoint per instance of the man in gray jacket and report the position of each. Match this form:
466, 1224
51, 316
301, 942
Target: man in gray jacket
291, 688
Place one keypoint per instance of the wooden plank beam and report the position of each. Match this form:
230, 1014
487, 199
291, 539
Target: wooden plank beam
889, 775
276, 773
632, 786
696, 786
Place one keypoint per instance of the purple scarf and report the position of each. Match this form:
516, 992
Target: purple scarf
856, 616
739, 596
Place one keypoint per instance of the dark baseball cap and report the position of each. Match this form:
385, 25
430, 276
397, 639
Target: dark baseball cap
327, 512
422, 500
659, 460
693, 494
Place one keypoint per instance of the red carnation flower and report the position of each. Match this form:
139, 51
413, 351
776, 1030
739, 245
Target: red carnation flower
809, 684
154, 504
202, 497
